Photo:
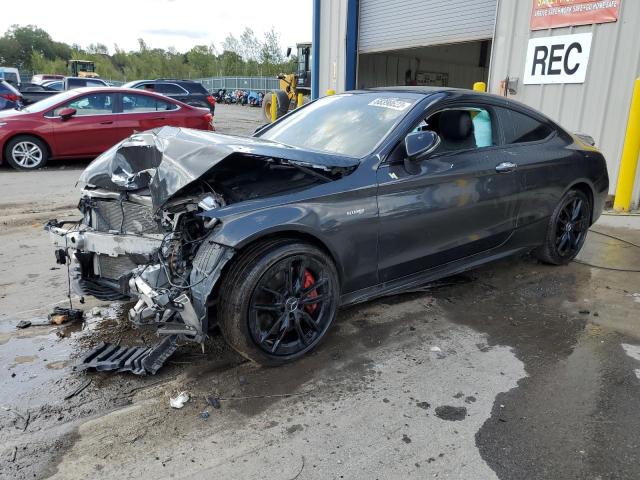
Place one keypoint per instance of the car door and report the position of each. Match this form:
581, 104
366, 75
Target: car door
543, 165
459, 201
88, 132
140, 112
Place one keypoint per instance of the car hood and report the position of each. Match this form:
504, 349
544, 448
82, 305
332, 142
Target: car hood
11, 114
167, 159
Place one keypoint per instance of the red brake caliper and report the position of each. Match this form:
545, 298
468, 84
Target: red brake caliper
308, 281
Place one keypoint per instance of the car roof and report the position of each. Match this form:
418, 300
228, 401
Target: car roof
170, 80
107, 88
6, 85
467, 94
85, 78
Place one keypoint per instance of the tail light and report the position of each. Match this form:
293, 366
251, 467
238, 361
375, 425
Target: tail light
211, 100
12, 97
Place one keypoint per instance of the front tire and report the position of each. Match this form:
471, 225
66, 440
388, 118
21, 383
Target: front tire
282, 104
26, 153
278, 301
567, 229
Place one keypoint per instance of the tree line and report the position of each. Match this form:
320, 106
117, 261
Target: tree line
32, 48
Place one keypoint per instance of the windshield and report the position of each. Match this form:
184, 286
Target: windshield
52, 101
350, 124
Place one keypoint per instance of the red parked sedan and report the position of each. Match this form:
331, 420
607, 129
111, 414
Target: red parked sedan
87, 121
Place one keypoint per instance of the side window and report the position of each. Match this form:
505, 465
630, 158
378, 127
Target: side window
149, 87
169, 89
11, 78
462, 128
132, 103
95, 104
94, 83
522, 128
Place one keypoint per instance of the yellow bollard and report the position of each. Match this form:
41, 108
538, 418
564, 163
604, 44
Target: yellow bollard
630, 151
480, 87
274, 108
300, 100
331, 91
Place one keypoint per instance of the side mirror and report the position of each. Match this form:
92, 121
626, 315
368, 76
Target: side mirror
421, 144
418, 145
67, 113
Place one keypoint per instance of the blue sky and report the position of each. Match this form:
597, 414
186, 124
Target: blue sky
162, 23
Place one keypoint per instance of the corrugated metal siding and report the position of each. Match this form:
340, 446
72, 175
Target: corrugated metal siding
599, 106
333, 33
396, 24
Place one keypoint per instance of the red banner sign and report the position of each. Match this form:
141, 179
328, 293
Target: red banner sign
566, 13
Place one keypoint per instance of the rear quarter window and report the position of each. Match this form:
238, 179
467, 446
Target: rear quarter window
521, 128
196, 88
169, 89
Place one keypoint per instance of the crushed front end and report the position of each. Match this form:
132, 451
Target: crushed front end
151, 208
126, 248
122, 250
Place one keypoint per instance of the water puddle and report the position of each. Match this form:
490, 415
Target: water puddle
38, 360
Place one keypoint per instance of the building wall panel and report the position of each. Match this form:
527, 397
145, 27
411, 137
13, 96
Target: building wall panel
600, 105
333, 31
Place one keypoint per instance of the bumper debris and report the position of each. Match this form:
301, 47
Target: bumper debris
137, 360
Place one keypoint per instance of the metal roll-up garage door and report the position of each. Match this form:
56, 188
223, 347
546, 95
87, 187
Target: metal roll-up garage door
397, 24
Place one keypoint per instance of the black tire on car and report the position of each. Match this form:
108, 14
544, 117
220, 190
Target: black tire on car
25, 152
278, 300
282, 104
567, 229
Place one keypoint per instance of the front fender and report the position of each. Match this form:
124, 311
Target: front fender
242, 229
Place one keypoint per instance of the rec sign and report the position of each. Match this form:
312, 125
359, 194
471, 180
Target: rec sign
561, 59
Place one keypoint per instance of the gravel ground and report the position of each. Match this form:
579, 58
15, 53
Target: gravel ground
515, 370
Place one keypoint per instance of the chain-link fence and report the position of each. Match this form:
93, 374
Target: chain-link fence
260, 84
213, 84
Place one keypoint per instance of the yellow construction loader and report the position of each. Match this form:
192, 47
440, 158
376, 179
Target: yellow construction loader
293, 86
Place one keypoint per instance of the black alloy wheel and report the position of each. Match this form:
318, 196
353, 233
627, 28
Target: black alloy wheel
278, 301
291, 306
567, 229
572, 226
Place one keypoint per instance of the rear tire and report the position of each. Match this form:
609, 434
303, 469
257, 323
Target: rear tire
25, 152
278, 301
567, 229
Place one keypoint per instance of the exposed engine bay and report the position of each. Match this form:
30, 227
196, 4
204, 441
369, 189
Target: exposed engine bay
148, 218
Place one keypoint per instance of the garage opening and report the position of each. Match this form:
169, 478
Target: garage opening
457, 65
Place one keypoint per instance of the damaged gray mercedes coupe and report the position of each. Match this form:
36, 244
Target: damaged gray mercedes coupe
349, 198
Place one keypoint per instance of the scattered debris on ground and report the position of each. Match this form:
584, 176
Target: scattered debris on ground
78, 390
62, 315
180, 400
213, 401
138, 360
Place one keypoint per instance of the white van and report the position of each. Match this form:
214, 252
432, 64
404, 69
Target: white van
11, 75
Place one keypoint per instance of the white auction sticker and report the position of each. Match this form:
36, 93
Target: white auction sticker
392, 103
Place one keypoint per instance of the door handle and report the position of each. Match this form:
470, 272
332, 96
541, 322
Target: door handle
506, 167
159, 118
107, 123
